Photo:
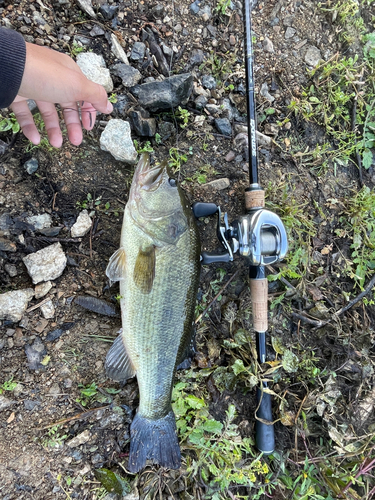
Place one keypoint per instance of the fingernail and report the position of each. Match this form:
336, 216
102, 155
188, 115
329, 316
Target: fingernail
109, 107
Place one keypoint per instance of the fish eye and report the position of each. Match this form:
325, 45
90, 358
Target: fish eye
172, 182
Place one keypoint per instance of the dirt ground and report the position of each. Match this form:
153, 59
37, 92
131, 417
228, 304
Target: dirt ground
39, 460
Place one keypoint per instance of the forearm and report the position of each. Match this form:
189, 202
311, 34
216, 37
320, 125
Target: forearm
12, 65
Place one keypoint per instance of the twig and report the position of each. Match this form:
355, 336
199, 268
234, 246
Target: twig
75, 417
320, 324
354, 123
32, 308
216, 296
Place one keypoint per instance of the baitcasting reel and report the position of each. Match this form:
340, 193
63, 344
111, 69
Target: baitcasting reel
259, 236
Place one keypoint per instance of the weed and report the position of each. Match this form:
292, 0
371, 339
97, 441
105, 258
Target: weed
54, 439
183, 115
9, 123
358, 224
146, 148
92, 203
158, 139
222, 5
176, 159
76, 49
8, 385
112, 98
201, 176
220, 457
87, 394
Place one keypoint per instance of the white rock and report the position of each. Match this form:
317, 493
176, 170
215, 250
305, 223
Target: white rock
46, 264
117, 50
82, 225
86, 5
218, 184
94, 68
80, 439
313, 56
42, 289
14, 304
264, 140
48, 310
40, 221
116, 139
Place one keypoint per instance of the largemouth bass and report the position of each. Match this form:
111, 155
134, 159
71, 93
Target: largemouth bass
158, 266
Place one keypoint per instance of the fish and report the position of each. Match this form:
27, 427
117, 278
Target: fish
158, 269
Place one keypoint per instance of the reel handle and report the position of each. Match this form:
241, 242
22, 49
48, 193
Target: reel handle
264, 434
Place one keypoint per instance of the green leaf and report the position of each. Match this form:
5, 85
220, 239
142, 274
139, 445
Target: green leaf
314, 99
213, 426
194, 402
112, 482
367, 159
238, 367
290, 361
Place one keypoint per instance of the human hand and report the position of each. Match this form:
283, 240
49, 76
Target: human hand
53, 78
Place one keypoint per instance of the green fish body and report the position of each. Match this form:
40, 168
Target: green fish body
158, 267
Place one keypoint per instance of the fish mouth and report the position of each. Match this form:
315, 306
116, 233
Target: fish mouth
149, 178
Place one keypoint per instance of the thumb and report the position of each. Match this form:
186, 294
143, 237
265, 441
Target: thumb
96, 95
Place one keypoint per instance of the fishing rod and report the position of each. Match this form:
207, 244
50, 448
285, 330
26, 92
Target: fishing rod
260, 237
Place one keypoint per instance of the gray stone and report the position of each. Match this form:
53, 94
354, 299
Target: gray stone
129, 75
264, 140
271, 129
223, 126
108, 11
200, 102
7, 246
5, 402
264, 92
170, 93
167, 50
94, 68
138, 51
48, 310
143, 124
11, 270
80, 439
35, 354
121, 105
158, 11
46, 264
313, 56
42, 289
6, 222
288, 21
218, 184
205, 12
40, 221
289, 33
14, 304
117, 50
213, 109
194, 7
86, 5
31, 166
166, 129
97, 31
208, 82
116, 139
30, 404
82, 225
228, 111
197, 57
268, 45
82, 40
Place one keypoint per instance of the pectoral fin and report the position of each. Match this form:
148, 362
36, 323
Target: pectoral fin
118, 365
144, 270
116, 268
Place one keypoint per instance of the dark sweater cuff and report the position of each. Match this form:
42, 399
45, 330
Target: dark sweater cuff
12, 65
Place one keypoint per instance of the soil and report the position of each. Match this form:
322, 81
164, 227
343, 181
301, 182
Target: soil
30, 467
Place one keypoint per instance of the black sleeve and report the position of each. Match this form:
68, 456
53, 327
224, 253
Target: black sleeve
12, 65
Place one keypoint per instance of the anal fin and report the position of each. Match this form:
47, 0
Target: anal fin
118, 365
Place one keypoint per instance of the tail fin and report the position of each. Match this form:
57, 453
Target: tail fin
154, 440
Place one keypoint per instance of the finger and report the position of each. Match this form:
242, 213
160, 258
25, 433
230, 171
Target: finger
72, 122
26, 121
94, 94
88, 115
52, 123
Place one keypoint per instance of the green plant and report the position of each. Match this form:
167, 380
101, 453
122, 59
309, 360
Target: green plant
146, 148
112, 98
176, 159
76, 49
9, 123
158, 138
222, 5
54, 439
183, 115
358, 224
201, 176
94, 204
218, 453
88, 393
8, 385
